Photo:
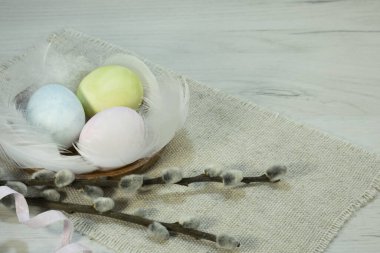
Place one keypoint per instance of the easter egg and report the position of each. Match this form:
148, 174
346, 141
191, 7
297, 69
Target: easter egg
112, 138
57, 110
110, 86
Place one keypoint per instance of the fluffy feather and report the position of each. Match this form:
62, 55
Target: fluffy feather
166, 101
31, 148
166, 113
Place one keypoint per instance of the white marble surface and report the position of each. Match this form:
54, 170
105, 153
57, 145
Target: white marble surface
314, 61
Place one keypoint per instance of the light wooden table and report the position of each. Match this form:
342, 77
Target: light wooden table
317, 62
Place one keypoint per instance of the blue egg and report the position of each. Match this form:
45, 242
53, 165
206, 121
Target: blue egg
57, 110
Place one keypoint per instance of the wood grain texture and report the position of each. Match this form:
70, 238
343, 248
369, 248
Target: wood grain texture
313, 61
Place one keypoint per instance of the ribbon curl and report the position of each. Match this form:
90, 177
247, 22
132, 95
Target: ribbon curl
44, 219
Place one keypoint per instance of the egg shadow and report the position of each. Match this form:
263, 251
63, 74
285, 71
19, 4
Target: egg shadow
22, 98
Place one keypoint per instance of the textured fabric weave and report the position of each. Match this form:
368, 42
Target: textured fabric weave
327, 180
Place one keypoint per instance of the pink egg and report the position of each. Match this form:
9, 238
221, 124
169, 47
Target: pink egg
112, 138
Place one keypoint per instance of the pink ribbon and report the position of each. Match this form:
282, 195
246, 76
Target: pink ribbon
44, 219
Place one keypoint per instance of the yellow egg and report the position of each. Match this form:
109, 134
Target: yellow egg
110, 86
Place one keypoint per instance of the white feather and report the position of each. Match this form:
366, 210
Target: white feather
166, 101
31, 148
166, 114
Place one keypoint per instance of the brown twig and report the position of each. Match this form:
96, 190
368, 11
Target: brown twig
79, 183
204, 178
77, 208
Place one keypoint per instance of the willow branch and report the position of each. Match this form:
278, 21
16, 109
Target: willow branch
77, 208
204, 178
79, 183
